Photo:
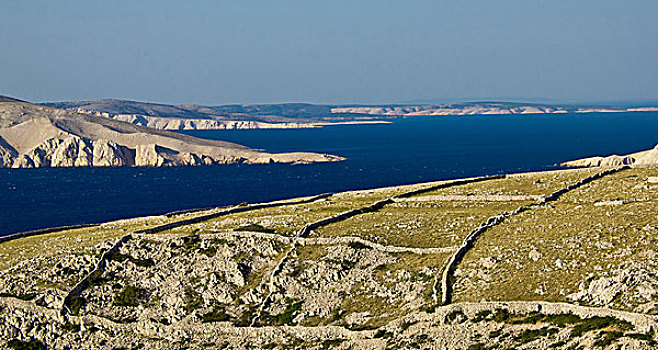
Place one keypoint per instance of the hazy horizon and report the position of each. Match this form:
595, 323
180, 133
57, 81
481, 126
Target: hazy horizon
340, 52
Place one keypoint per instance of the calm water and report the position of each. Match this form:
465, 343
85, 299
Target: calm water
408, 151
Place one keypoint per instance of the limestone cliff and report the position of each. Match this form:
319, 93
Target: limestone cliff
33, 136
644, 158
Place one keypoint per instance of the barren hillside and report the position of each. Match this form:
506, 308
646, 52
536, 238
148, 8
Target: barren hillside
39, 136
552, 260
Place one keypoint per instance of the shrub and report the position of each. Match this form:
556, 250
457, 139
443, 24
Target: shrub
96, 278
594, 323
357, 245
194, 300
128, 296
532, 334
608, 338
33, 344
75, 303
216, 315
286, 317
70, 327
26, 296
255, 228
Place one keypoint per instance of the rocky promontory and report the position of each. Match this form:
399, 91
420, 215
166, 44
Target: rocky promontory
643, 158
33, 136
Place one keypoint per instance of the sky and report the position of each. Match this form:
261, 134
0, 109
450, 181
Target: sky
335, 51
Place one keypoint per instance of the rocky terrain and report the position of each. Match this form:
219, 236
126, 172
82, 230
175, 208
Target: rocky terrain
643, 158
301, 115
33, 136
553, 260
483, 108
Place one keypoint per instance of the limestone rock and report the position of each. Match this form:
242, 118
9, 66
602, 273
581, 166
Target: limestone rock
649, 158
534, 255
608, 203
108, 153
33, 136
644, 158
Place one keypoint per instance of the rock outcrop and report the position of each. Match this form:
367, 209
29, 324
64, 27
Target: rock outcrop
33, 136
644, 158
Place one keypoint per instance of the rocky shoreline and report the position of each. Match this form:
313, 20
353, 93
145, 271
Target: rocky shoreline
33, 136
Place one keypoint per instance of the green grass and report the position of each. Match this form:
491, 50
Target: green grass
78, 241
585, 237
419, 224
528, 184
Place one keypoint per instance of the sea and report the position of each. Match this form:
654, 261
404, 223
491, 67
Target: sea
408, 150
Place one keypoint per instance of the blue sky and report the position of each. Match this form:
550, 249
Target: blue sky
217, 52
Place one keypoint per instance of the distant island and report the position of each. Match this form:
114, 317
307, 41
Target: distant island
33, 136
304, 115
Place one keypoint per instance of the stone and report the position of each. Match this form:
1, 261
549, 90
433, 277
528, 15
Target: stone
534, 255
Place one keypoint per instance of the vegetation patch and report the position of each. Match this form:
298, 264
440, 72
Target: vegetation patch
127, 296
246, 317
194, 299
357, 245
596, 323
216, 315
75, 303
71, 327
148, 262
533, 334
644, 337
607, 338
255, 228
17, 344
26, 296
286, 317
96, 278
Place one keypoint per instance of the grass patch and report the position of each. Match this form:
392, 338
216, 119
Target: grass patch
246, 317
571, 229
96, 278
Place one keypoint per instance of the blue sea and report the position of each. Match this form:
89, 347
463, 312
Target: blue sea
406, 151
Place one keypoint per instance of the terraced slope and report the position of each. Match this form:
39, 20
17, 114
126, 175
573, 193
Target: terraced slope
558, 260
